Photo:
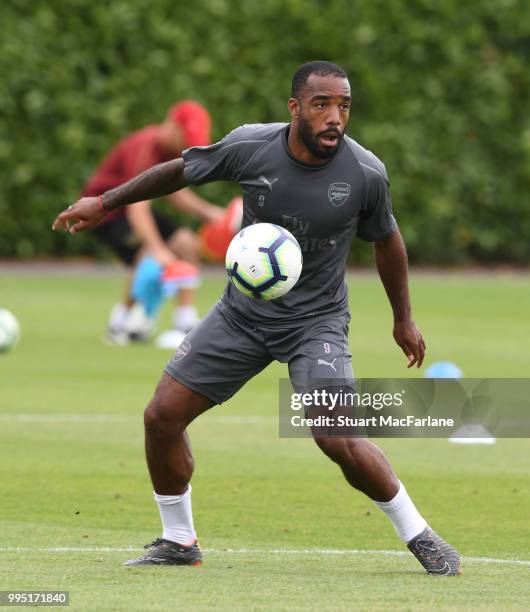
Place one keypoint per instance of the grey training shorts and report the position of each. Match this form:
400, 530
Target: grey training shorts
225, 351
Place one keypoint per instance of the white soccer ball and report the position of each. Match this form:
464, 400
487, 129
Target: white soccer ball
9, 330
264, 261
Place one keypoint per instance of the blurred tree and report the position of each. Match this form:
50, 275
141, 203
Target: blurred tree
440, 89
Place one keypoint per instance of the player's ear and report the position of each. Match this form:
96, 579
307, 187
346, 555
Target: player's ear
294, 107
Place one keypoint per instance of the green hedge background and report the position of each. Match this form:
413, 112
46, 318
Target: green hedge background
440, 89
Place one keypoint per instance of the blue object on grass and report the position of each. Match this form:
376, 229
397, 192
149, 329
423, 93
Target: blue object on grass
443, 369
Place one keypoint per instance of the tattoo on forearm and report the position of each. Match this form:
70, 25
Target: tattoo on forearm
158, 181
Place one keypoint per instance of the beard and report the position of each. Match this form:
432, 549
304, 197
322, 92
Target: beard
311, 140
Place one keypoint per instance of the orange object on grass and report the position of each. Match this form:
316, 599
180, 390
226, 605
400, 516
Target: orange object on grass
216, 236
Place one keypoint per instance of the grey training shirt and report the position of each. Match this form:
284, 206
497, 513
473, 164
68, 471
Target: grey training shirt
323, 206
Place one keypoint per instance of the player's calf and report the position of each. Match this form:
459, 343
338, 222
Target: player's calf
167, 446
171, 464
363, 464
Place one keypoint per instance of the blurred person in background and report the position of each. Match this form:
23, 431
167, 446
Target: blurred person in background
135, 231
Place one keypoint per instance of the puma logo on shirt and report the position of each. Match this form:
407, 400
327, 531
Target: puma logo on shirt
265, 180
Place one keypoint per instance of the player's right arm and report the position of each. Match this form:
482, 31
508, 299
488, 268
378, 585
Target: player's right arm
158, 181
224, 160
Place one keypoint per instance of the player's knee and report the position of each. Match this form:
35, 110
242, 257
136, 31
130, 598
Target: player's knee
162, 418
185, 244
339, 449
331, 447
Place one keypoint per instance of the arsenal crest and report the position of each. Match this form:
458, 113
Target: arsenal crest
338, 193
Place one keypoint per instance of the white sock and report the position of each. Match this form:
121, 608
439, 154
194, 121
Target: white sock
117, 316
185, 317
407, 521
176, 516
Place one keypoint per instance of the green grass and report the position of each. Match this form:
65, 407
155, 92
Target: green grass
264, 507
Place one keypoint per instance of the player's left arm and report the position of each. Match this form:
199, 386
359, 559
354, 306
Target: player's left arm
392, 265
189, 202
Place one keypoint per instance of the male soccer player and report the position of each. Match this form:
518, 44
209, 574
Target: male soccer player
310, 177
135, 230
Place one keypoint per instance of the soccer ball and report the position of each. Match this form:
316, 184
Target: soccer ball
264, 261
9, 330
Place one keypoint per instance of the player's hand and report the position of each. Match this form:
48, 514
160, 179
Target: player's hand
409, 338
85, 214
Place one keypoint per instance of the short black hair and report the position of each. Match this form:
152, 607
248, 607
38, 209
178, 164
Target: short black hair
306, 70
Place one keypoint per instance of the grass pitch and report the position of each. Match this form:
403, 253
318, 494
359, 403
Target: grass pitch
279, 526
